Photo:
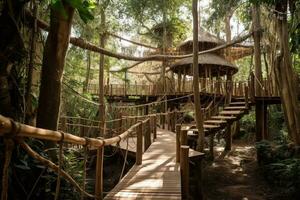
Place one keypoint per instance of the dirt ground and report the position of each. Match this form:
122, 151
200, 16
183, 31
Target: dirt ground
235, 175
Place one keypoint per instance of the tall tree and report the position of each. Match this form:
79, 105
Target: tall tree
285, 75
53, 65
198, 111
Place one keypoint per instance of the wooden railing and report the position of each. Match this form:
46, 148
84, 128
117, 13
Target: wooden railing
219, 87
14, 131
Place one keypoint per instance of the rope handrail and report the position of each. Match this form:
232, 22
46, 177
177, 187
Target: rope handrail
7, 129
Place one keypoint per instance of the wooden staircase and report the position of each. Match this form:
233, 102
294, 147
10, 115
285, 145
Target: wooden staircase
223, 120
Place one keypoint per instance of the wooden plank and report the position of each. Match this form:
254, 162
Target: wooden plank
230, 112
223, 117
220, 122
235, 108
237, 103
158, 177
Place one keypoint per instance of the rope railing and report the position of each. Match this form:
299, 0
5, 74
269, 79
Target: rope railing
9, 129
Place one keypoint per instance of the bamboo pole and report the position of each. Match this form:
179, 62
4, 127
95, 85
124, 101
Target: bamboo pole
147, 135
184, 169
178, 130
99, 174
183, 137
139, 144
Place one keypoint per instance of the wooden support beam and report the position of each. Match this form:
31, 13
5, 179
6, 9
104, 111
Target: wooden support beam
147, 135
228, 138
139, 144
184, 169
178, 131
183, 137
211, 145
99, 174
155, 128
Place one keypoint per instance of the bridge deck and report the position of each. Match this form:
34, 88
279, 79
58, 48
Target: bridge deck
157, 178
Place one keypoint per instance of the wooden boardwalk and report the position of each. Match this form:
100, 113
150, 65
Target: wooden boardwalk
157, 178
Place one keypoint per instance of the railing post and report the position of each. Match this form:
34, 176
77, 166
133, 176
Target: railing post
139, 144
173, 120
99, 174
252, 85
246, 97
154, 127
184, 169
147, 135
183, 137
178, 129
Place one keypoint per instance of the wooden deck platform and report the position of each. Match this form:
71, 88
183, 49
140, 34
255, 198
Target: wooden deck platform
157, 178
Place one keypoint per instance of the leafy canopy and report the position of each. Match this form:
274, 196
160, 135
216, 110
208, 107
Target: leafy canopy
84, 7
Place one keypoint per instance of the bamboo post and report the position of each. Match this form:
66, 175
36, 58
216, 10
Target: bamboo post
147, 136
179, 81
252, 85
111, 90
228, 138
99, 174
154, 127
211, 145
178, 129
139, 144
183, 137
173, 121
246, 97
184, 169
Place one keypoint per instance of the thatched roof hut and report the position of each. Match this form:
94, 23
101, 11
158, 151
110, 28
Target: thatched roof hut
205, 39
213, 62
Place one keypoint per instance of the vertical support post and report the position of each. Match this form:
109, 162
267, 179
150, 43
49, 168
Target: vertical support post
99, 174
211, 145
246, 97
173, 119
139, 144
178, 130
154, 127
228, 138
183, 137
184, 169
147, 135
179, 81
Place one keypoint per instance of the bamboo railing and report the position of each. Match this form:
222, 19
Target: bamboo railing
10, 129
206, 86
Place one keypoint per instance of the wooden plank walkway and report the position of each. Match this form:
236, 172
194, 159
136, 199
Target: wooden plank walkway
157, 178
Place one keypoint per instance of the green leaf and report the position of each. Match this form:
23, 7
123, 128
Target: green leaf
58, 6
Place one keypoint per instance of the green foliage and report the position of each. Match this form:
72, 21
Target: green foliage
84, 7
280, 165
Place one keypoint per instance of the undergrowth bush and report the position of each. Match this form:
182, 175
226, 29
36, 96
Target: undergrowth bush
280, 165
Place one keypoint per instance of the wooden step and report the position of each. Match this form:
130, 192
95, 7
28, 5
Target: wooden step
215, 122
240, 103
221, 117
209, 126
231, 112
235, 108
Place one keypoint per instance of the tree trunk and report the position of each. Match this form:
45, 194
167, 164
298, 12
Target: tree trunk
101, 75
260, 108
28, 116
164, 64
285, 76
198, 112
52, 69
227, 26
88, 72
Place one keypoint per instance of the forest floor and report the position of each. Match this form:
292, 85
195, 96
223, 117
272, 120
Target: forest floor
235, 175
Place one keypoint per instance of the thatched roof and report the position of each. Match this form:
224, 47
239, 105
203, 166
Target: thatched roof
209, 60
238, 51
205, 39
